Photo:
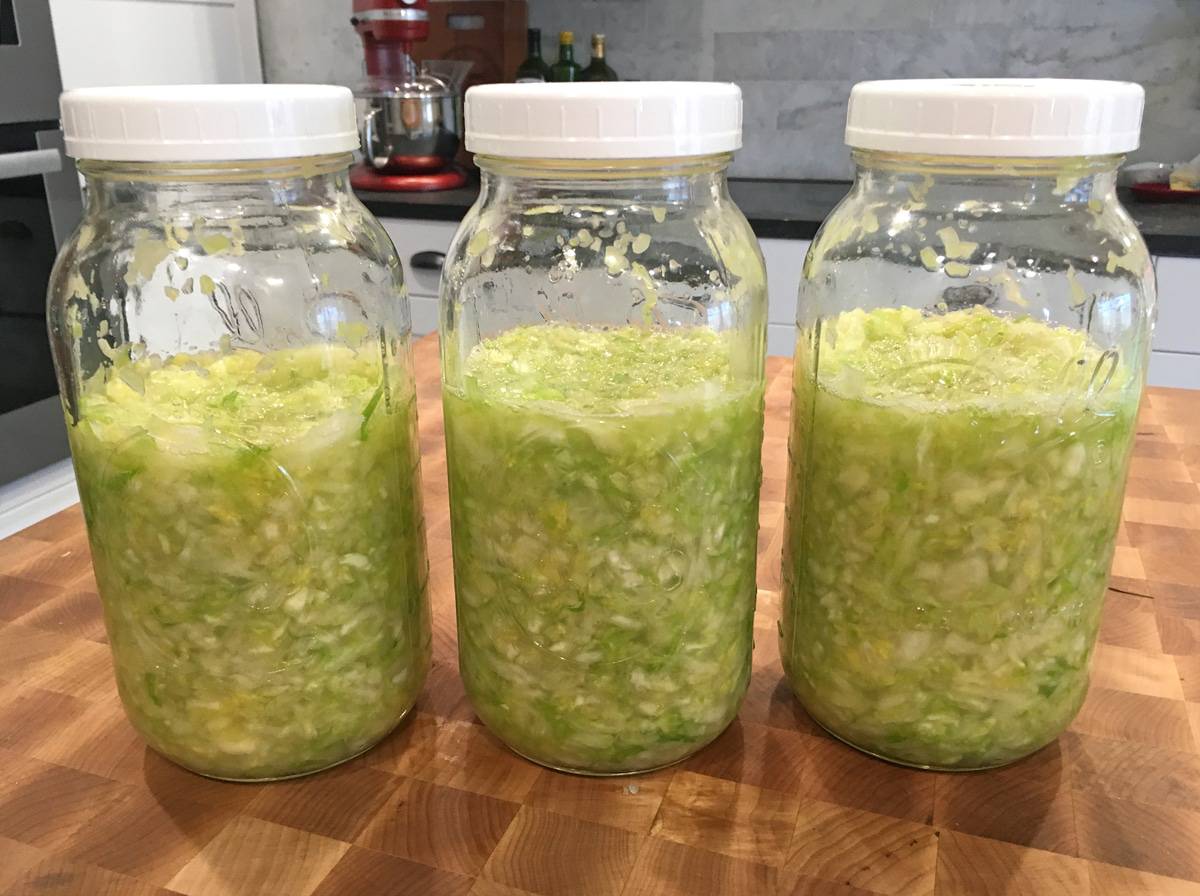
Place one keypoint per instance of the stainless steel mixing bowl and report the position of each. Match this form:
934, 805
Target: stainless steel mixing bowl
413, 127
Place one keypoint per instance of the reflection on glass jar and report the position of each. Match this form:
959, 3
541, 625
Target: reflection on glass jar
233, 351
973, 335
603, 318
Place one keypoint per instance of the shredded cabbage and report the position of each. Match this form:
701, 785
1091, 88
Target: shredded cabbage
604, 490
257, 535
953, 502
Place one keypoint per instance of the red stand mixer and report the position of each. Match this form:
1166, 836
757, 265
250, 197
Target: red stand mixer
410, 114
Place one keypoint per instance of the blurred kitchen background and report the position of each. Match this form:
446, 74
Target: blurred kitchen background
796, 60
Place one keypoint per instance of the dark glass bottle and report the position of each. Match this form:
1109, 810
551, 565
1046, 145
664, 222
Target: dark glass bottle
534, 68
598, 69
566, 68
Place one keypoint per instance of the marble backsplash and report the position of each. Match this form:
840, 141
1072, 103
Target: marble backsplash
797, 59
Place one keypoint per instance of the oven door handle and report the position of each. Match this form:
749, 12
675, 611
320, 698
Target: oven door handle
30, 162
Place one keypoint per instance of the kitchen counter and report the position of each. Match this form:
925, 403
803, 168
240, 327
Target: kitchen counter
774, 806
794, 209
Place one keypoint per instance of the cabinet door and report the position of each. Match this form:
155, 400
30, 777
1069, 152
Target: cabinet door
105, 43
1178, 327
422, 247
1175, 360
785, 262
1179, 370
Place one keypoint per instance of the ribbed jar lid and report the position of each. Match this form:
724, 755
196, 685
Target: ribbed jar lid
996, 117
208, 122
604, 120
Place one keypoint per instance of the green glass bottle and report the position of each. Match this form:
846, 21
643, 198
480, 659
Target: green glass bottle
566, 68
598, 69
534, 68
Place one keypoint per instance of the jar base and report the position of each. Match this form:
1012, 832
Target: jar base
904, 763
304, 774
589, 773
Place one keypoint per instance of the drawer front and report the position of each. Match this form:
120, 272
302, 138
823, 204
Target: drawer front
424, 314
421, 241
785, 261
1178, 327
1178, 370
781, 339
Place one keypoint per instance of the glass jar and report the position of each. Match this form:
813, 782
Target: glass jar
603, 325
974, 327
232, 344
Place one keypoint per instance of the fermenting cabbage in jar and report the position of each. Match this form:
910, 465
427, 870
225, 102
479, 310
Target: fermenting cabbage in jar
955, 491
256, 532
604, 492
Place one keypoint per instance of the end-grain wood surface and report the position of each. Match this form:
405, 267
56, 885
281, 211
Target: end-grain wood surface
773, 807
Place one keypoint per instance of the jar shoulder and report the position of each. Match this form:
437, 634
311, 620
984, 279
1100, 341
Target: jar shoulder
604, 259
864, 221
296, 237
186, 277
1053, 258
710, 247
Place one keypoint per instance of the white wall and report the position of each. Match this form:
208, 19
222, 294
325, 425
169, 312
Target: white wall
310, 41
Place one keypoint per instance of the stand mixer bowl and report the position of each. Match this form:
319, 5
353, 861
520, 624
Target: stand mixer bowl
415, 126
409, 128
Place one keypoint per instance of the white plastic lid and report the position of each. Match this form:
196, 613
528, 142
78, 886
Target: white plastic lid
604, 120
996, 116
208, 122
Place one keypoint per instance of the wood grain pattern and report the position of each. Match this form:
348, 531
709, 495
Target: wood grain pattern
774, 806
877, 853
974, 866
251, 857
738, 820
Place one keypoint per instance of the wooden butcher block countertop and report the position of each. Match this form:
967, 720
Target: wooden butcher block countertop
773, 807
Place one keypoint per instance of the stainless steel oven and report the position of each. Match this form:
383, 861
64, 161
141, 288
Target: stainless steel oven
39, 207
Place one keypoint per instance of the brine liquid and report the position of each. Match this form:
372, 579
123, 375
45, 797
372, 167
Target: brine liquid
604, 490
257, 535
953, 502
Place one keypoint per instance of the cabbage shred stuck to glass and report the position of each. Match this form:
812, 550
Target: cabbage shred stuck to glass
255, 525
955, 492
604, 508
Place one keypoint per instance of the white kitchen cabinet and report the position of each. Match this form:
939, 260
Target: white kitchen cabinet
1175, 360
1178, 328
1180, 370
412, 238
785, 261
106, 43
